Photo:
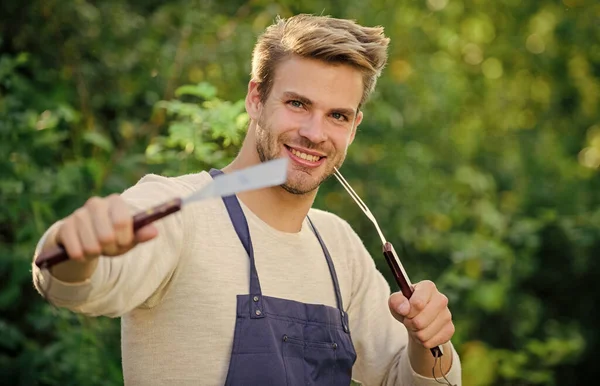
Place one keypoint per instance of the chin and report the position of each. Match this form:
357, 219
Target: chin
304, 182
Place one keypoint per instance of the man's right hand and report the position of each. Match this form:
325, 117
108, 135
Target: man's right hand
103, 226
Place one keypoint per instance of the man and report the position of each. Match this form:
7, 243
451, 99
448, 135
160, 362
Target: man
315, 309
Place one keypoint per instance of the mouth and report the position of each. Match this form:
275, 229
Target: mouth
304, 157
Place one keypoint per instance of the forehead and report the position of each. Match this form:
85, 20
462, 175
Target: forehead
330, 85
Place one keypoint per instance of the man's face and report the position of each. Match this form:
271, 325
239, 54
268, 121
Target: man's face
310, 117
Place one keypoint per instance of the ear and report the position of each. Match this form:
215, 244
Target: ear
357, 121
253, 103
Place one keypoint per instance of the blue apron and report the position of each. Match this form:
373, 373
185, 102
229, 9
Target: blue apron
284, 342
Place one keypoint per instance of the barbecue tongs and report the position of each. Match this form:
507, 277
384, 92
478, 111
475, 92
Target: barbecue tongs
388, 251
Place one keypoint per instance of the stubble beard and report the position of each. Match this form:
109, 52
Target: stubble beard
268, 148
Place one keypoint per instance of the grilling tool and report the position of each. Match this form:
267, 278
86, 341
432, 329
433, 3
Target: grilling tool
264, 175
388, 250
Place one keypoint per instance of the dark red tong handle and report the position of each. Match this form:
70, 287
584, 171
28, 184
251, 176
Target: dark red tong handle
402, 281
59, 254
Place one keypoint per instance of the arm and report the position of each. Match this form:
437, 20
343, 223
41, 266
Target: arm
385, 353
113, 286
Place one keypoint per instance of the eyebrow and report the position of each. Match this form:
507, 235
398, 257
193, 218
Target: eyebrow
350, 113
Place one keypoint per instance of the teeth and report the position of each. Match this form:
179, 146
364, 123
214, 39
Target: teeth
308, 157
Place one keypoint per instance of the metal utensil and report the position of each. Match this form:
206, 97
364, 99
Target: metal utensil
266, 174
388, 250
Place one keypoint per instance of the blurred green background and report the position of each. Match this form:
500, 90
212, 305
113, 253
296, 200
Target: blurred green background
479, 155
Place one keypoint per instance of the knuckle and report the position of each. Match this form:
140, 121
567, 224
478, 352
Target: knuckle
116, 201
419, 304
444, 300
106, 239
451, 328
418, 323
78, 255
73, 251
93, 202
93, 250
420, 336
428, 284
122, 222
66, 221
71, 222
64, 227
80, 215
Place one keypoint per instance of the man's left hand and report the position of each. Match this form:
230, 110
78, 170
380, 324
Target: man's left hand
425, 315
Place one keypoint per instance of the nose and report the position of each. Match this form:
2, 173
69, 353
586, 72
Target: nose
314, 129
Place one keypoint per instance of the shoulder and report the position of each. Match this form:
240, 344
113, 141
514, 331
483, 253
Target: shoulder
186, 182
155, 188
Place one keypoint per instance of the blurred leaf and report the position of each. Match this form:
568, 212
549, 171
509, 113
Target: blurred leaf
98, 139
203, 90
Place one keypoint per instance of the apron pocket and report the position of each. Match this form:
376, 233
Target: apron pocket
308, 362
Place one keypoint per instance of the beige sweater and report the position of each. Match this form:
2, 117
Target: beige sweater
176, 295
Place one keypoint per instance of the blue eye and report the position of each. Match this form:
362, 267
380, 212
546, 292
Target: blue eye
296, 103
338, 116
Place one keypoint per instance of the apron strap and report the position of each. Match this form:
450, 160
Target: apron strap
240, 224
336, 285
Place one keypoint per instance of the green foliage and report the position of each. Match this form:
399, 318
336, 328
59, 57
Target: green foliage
200, 134
478, 154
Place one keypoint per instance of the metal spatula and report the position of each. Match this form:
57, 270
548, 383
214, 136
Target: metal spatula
264, 175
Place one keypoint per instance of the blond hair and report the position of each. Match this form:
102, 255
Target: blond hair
323, 38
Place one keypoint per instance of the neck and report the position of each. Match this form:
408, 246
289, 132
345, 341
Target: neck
275, 206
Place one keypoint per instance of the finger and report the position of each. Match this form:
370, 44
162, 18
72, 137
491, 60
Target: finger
121, 220
86, 233
67, 237
433, 329
399, 306
443, 336
437, 305
146, 233
98, 211
420, 297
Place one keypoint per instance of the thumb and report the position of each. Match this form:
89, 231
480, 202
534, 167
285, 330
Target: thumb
146, 233
399, 306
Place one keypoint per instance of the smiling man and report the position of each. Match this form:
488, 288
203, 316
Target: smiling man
259, 288
311, 122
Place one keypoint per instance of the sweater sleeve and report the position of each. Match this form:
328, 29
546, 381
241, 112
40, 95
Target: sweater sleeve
137, 278
381, 342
